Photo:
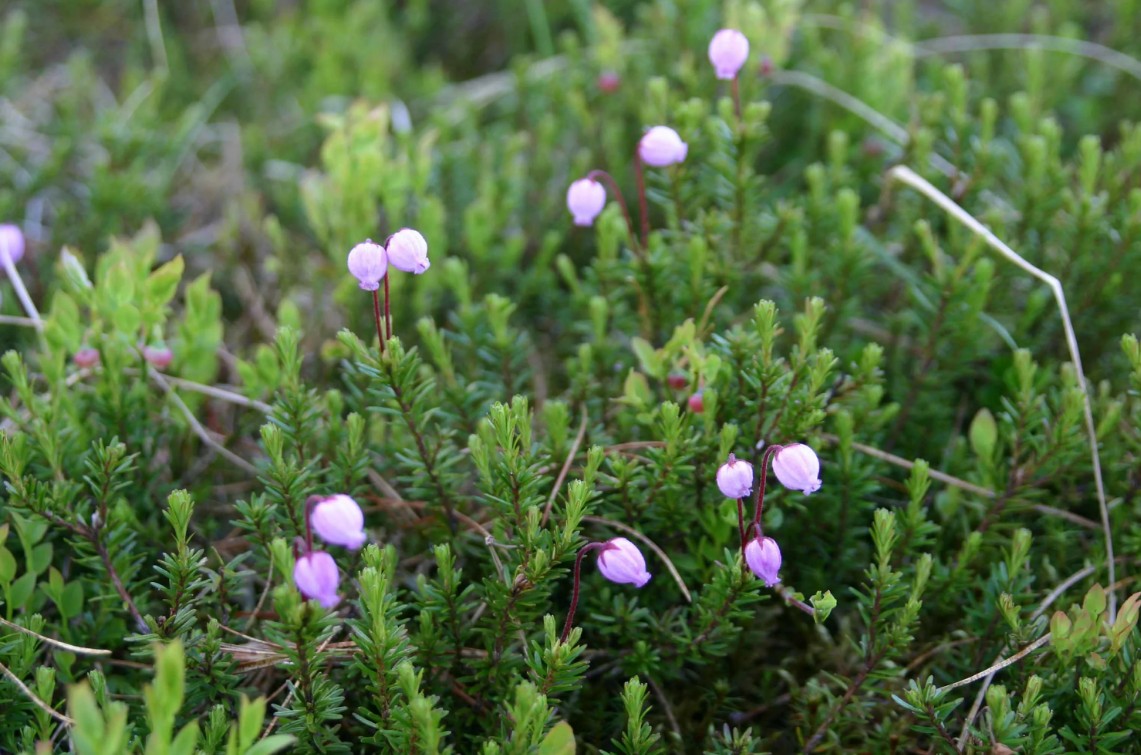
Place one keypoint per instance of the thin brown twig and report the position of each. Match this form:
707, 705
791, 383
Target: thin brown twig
665, 706
565, 469
990, 671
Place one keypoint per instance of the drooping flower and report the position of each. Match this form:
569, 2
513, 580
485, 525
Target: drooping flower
728, 51
585, 200
408, 251
11, 242
86, 357
661, 146
735, 478
620, 561
316, 577
762, 554
798, 468
158, 357
368, 263
338, 520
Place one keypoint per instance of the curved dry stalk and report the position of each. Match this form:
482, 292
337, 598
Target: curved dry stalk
909, 177
21, 291
197, 427
566, 468
34, 698
893, 130
956, 482
649, 544
79, 650
978, 42
1000, 665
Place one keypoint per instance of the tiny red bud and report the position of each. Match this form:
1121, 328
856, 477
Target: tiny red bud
609, 81
697, 403
677, 380
766, 66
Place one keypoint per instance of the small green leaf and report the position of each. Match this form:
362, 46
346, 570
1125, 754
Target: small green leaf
7, 566
163, 284
983, 434
823, 603
22, 590
271, 744
648, 358
559, 740
41, 559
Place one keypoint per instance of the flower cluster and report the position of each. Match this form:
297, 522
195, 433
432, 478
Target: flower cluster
337, 520
796, 467
406, 250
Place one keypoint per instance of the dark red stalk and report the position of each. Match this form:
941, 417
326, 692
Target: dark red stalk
376, 314
595, 175
387, 311
737, 97
577, 581
760, 500
741, 523
642, 207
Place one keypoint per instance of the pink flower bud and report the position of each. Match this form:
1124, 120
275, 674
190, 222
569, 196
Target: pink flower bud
368, 263
11, 242
797, 468
621, 561
735, 478
585, 199
159, 357
408, 251
762, 554
338, 520
677, 380
609, 81
661, 146
316, 577
86, 357
696, 403
727, 52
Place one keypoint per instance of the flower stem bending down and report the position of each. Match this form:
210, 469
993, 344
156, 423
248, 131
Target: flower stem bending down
759, 504
596, 175
620, 561
376, 313
577, 585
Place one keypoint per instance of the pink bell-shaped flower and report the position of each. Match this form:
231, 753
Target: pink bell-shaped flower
338, 520
316, 577
661, 146
762, 554
158, 357
735, 478
798, 468
585, 200
11, 242
368, 263
620, 561
728, 51
408, 251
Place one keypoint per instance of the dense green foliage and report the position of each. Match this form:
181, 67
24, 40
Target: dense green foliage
194, 174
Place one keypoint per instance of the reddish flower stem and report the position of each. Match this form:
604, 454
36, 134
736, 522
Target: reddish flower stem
595, 175
760, 501
741, 523
577, 582
643, 208
737, 96
387, 311
376, 314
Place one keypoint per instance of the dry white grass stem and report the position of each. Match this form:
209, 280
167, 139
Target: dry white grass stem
34, 698
907, 176
78, 649
197, 427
